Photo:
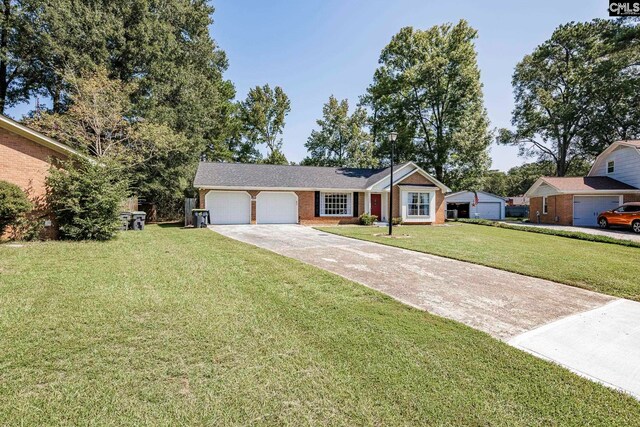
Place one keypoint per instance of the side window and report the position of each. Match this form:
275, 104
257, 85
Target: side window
545, 206
611, 166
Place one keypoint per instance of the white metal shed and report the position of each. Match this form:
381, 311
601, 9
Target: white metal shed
489, 205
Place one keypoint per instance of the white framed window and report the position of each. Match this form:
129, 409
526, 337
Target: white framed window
418, 204
336, 204
545, 205
611, 166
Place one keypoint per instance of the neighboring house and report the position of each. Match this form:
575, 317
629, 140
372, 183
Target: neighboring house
278, 194
26, 155
613, 179
488, 206
517, 201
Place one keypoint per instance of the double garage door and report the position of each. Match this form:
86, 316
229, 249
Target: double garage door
234, 207
587, 208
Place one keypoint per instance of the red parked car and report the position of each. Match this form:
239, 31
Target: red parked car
627, 215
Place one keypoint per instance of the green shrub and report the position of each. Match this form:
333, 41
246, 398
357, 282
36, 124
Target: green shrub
368, 219
396, 221
85, 198
14, 203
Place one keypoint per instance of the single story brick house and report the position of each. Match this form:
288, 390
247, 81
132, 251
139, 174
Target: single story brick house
614, 179
237, 193
26, 155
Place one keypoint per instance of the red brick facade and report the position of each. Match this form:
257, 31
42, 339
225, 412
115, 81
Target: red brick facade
419, 179
559, 209
306, 204
306, 208
24, 162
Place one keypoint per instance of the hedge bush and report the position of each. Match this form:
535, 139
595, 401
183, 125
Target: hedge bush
85, 198
368, 219
14, 204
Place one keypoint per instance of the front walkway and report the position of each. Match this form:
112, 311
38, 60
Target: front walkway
587, 332
616, 233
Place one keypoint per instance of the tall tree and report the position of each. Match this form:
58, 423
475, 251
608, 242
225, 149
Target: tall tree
342, 139
428, 90
16, 50
577, 93
157, 161
262, 115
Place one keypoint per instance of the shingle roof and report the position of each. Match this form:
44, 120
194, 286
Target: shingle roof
284, 176
587, 183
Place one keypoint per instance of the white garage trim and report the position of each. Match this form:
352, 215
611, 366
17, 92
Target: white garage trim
276, 211
225, 212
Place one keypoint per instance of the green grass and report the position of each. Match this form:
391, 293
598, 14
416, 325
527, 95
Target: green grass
608, 268
186, 327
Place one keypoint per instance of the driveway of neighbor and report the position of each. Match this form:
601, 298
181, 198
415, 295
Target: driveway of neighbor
595, 335
614, 233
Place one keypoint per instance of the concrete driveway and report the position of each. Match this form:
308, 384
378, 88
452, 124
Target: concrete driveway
533, 314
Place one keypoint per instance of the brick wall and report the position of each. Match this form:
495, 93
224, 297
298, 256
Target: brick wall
306, 208
419, 179
25, 163
631, 198
560, 206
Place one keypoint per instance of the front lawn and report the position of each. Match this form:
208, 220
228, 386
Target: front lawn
186, 327
608, 268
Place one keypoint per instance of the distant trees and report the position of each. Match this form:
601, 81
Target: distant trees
262, 117
577, 93
341, 139
428, 89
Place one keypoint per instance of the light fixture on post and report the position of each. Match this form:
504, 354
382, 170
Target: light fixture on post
392, 141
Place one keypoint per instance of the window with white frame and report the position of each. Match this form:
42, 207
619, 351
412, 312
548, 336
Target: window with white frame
418, 204
336, 204
545, 205
611, 166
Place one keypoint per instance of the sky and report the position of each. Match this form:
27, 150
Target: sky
317, 48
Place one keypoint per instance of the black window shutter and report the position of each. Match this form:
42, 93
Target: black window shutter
317, 204
355, 204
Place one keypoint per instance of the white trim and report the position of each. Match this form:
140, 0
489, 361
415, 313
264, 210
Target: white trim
613, 166
283, 192
287, 189
437, 183
227, 192
349, 195
479, 192
404, 190
37, 137
545, 205
608, 150
389, 174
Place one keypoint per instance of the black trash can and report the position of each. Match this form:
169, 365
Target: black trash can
200, 218
137, 220
125, 220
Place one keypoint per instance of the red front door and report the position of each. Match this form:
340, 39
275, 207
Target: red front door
376, 205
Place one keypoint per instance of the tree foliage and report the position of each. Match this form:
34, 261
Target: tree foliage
262, 115
14, 203
85, 198
157, 161
577, 93
428, 89
341, 139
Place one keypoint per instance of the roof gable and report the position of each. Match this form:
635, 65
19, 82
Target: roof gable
634, 149
579, 184
37, 137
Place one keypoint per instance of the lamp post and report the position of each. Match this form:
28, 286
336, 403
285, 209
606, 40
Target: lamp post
392, 141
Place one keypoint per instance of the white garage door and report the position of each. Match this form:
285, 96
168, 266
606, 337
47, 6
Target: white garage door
276, 208
489, 210
587, 208
228, 207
